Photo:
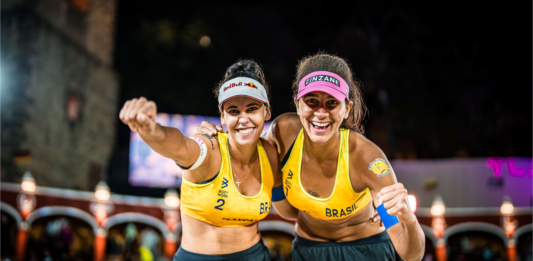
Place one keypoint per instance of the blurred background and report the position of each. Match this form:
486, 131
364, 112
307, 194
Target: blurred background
448, 86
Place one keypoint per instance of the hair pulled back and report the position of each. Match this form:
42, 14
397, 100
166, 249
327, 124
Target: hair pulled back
339, 66
244, 68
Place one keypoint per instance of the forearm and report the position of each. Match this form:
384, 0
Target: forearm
408, 240
167, 141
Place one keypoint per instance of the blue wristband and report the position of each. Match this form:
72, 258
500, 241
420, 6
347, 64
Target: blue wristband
388, 220
277, 193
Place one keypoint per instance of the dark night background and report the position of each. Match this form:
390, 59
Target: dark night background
441, 79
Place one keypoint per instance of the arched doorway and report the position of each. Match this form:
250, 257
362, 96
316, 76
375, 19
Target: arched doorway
524, 242
476, 245
9, 235
431, 241
279, 243
60, 237
278, 237
133, 240
429, 251
132, 235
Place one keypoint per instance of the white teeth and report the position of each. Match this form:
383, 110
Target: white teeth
246, 131
320, 124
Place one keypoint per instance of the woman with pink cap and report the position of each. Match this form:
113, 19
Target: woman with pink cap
335, 176
227, 182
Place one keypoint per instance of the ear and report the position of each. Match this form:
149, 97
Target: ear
348, 109
297, 106
222, 118
268, 114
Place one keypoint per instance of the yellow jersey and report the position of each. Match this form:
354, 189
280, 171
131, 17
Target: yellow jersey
219, 203
342, 202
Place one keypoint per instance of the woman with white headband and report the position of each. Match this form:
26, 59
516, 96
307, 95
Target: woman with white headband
227, 182
335, 176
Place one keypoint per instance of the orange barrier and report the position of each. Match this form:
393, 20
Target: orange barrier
511, 250
440, 250
170, 247
21, 243
99, 245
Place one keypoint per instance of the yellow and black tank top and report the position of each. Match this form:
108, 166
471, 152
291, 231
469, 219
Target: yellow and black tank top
219, 203
342, 202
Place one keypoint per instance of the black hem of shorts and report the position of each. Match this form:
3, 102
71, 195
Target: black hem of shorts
244, 255
377, 238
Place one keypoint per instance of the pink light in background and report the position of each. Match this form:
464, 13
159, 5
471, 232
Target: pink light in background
496, 164
515, 171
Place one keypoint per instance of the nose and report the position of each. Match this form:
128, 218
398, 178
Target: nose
321, 112
243, 118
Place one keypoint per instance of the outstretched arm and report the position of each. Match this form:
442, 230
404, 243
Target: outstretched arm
407, 235
139, 115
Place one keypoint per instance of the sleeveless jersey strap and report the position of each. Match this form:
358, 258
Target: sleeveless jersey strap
289, 152
346, 151
346, 135
223, 146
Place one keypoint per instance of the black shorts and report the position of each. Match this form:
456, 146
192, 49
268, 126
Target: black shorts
376, 247
258, 252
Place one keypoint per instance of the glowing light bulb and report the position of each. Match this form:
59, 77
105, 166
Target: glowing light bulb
172, 199
28, 183
102, 191
507, 207
205, 41
438, 208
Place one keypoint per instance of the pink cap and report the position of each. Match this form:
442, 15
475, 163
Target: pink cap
327, 82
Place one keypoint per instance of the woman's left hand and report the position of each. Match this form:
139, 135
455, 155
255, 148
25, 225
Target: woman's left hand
394, 198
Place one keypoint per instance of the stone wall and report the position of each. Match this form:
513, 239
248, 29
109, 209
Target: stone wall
52, 49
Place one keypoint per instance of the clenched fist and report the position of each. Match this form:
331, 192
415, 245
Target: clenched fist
139, 115
395, 200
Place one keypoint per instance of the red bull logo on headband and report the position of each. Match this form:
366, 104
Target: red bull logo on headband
233, 85
251, 85
323, 78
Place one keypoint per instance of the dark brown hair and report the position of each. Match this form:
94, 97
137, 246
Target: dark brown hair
244, 68
339, 66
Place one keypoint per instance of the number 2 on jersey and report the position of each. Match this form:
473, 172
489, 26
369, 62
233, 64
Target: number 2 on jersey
219, 207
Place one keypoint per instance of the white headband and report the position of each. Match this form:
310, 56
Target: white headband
242, 86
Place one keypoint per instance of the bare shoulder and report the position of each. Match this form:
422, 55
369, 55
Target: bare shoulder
270, 149
362, 148
288, 120
369, 162
284, 130
286, 124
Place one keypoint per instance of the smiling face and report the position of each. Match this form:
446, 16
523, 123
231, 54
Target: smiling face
244, 118
322, 115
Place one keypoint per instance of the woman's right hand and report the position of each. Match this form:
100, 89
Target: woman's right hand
139, 115
209, 128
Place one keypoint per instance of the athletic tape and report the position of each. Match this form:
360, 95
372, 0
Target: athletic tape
203, 154
388, 220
